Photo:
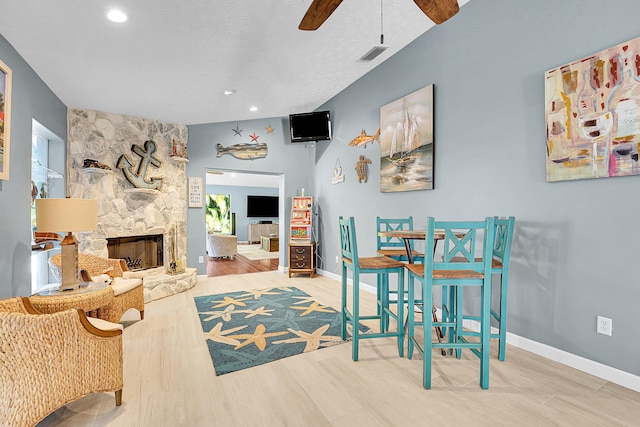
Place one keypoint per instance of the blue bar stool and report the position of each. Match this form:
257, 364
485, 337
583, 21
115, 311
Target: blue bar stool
499, 266
382, 267
394, 248
467, 241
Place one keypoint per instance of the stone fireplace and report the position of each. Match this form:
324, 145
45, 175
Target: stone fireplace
140, 252
126, 213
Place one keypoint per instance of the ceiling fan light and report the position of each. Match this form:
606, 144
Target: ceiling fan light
373, 53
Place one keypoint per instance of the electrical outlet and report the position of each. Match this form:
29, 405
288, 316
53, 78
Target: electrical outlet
201, 259
337, 259
604, 325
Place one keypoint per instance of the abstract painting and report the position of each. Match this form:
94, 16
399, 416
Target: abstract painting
406, 143
592, 111
5, 119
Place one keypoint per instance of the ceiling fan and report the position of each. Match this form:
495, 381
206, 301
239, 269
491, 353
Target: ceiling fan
320, 10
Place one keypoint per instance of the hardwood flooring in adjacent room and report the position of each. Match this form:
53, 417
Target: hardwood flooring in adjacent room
169, 380
239, 265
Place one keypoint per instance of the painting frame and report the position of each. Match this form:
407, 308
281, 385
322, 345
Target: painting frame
592, 115
407, 161
5, 120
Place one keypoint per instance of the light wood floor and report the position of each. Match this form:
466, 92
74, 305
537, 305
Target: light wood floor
170, 380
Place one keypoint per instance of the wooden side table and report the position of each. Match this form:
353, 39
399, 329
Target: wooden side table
89, 297
302, 258
269, 243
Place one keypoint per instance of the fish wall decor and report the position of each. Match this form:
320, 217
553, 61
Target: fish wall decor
364, 139
244, 151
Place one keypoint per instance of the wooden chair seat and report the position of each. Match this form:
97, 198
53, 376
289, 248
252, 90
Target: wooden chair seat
376, 263
398, 253
418, 270
495, 263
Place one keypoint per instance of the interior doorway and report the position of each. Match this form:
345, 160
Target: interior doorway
240, 202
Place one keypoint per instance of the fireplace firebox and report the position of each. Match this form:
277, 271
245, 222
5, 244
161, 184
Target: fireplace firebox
139, 252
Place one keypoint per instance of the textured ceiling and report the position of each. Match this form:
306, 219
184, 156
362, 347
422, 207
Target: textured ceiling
173, 59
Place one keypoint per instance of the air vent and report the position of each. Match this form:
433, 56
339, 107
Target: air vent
373, 53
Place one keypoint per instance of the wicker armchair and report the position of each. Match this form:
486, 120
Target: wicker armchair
128, 292
49, 360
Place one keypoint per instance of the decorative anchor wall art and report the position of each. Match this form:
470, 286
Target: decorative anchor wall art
138, 178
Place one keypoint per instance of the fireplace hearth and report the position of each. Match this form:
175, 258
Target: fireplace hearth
139, 252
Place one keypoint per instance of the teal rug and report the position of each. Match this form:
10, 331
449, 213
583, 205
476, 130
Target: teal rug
250, 328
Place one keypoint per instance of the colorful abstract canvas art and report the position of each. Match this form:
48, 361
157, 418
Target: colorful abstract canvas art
406, 143
5, 119
592, 110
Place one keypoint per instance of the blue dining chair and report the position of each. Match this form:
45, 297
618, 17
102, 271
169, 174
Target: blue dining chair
467, 241
395, 248
382, 267
499, 266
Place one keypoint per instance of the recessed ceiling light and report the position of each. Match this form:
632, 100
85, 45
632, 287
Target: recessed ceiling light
254, 108
116, 16
229, 92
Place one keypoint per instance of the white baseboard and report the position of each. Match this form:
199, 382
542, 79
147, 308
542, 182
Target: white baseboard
590, 367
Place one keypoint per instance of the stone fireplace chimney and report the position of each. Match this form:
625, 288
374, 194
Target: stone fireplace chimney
96, 141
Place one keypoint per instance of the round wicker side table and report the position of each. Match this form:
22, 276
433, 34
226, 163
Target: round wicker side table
90, 298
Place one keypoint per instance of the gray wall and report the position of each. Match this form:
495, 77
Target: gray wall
30, 99
574, 247
292, 161
238, 198
576, 243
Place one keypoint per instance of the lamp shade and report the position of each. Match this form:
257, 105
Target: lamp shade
66, 215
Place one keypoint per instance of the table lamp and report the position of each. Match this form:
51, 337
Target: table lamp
67, 215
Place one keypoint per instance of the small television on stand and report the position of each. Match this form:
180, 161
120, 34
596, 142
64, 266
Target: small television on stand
315, 126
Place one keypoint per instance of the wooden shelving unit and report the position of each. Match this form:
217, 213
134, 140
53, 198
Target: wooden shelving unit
302, 250
300, 225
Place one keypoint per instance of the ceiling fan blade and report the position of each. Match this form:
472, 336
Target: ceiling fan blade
438, 10
318, 12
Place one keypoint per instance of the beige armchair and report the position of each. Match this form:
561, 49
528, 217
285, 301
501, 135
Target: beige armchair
49, 360
128, 292
222, 245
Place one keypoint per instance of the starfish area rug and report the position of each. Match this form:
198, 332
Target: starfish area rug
250, 328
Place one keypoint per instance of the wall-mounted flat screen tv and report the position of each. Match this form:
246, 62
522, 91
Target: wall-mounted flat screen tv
314, 126
262, 206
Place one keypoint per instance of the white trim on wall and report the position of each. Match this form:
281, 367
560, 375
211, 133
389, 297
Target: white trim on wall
590, 367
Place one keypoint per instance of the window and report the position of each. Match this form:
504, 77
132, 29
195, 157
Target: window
219, 213
46, 149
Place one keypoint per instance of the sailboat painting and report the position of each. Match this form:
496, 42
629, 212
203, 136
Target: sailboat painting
406, 143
